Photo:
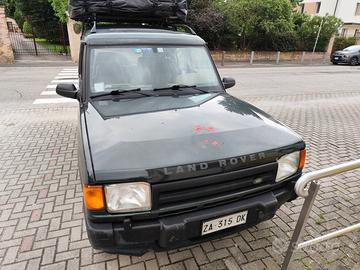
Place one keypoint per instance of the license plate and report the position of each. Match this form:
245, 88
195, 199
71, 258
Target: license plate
336, 58
224, 223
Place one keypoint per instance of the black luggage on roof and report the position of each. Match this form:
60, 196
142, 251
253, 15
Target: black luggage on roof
129, 10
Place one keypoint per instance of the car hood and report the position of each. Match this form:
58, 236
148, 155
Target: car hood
149, 145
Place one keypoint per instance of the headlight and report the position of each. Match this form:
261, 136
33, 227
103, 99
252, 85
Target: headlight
288, 165
129, 197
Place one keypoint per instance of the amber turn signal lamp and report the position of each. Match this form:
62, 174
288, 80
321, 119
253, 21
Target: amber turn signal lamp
302, 159
94, 197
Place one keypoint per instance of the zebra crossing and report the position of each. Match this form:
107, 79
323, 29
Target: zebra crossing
49, 96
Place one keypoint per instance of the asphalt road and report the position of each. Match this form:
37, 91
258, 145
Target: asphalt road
279, 81
24, 84
41, 219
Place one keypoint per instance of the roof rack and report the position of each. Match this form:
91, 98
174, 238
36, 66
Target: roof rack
91, 26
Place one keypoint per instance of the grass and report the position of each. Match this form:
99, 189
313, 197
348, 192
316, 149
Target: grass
52, 47
320, 220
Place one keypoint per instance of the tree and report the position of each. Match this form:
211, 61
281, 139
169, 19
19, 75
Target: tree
27, 30
207, 21
307, 28
9, 7
260, 24
40, 17
295, 3
60, 8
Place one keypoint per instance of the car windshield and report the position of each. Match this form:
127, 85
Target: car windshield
151, 67
352, 49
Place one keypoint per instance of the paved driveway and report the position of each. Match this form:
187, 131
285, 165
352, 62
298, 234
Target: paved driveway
41, 219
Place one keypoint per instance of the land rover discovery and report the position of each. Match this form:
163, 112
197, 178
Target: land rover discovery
167, 157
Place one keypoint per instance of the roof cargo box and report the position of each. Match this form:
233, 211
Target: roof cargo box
129, 10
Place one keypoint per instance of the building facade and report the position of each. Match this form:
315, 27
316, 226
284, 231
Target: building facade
346, 10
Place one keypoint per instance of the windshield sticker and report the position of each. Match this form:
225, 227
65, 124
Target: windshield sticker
99, 87
137, 50
160, 50
147, 50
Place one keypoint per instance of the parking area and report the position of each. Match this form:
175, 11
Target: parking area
41, 219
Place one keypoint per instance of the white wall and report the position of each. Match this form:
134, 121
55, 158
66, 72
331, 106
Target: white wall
345, 10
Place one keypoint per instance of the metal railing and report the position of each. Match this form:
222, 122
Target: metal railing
309, 195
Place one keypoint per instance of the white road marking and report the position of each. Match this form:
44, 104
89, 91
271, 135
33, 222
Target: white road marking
65, 81
48, 93
53, 86
68, 75
54, 100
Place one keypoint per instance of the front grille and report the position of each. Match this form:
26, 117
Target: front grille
196, 193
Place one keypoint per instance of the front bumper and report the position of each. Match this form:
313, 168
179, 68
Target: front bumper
340, 59
136, 237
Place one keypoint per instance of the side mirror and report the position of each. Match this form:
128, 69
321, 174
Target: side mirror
67, 90
228, 82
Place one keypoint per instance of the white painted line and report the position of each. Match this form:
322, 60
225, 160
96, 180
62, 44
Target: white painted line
48, 93
53, 86
65, 81
68, 72
66, 77
54, 101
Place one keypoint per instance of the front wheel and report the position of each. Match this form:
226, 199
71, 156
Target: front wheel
334, 63
354, 61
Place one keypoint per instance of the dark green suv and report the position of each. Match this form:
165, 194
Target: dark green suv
167, 158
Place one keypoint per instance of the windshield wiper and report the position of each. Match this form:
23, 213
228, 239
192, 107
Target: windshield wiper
120, 92
179, 87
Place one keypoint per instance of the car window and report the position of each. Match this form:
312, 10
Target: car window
151, 67
352, 48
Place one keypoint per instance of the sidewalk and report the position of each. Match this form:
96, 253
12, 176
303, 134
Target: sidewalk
41, 63
270, 64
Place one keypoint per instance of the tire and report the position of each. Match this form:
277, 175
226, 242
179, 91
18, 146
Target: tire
334, 63
354, 61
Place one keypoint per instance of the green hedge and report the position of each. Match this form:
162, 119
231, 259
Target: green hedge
27, 30
342, 43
